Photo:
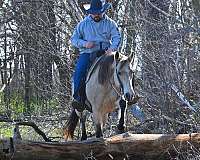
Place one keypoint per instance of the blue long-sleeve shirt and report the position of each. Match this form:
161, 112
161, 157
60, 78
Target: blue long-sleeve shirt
105, 32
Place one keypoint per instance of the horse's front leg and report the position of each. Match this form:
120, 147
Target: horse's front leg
82, 125
98, 123
122, 112
99, 132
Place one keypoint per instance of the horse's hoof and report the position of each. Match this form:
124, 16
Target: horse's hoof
120, 131
100, 138
78, 106
84, 138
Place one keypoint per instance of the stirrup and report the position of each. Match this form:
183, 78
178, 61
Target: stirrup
78, 105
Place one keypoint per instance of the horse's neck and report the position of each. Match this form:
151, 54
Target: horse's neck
93, 68
114, 82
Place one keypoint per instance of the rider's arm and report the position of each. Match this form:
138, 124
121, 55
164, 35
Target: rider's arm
115, 37
77, 37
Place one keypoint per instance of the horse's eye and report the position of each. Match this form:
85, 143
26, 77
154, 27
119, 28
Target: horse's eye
132, 71
119, 73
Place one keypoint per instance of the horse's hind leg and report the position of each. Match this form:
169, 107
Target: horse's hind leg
83, 128
122, 112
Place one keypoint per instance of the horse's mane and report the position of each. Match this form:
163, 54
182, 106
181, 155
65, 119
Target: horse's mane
105, 70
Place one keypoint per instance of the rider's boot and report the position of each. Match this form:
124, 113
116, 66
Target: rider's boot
78, 105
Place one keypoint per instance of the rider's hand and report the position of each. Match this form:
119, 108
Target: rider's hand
109, 51
89, 45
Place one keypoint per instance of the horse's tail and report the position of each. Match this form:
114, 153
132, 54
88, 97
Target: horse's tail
71, 125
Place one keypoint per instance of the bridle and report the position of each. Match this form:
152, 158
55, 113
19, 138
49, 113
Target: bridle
120, 90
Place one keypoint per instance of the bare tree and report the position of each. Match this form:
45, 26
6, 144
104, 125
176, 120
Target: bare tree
37, 61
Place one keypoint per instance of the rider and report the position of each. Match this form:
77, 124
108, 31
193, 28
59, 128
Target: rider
95, 32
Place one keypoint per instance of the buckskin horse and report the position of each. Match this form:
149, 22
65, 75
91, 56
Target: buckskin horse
108, 87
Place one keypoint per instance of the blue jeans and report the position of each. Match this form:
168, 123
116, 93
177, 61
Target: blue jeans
79, 77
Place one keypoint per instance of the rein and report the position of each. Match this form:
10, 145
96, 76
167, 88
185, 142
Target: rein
118, 91
114, 87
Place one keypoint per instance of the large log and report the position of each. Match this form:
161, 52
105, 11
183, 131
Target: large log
134, 146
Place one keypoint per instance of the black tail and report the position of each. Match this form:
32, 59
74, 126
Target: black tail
71, 125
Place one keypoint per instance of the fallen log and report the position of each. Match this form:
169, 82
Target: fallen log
133, 146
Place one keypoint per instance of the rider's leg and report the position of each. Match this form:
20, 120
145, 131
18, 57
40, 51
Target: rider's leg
79, 79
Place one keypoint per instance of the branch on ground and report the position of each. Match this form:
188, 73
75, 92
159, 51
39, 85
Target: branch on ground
27, 123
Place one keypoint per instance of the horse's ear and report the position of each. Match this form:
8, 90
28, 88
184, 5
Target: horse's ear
117, 56
131, 57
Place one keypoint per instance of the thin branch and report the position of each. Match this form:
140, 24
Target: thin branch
35, 127
31, 124
160, 10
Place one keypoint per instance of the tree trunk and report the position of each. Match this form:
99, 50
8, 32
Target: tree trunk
133, 146
155, 59
196, 6
131, 32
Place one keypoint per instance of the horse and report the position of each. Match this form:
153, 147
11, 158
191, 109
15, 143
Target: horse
108, 87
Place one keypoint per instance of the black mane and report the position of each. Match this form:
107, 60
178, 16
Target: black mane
105, 70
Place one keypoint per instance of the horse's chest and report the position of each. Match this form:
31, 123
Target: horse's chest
109, 105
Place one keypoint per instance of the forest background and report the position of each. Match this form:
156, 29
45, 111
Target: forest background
37, 62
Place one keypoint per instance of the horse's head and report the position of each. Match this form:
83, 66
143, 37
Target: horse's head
120, 67
124, 75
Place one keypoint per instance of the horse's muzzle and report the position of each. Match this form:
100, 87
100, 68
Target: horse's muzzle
128, 97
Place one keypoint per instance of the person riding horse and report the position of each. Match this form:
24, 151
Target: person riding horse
96, 32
